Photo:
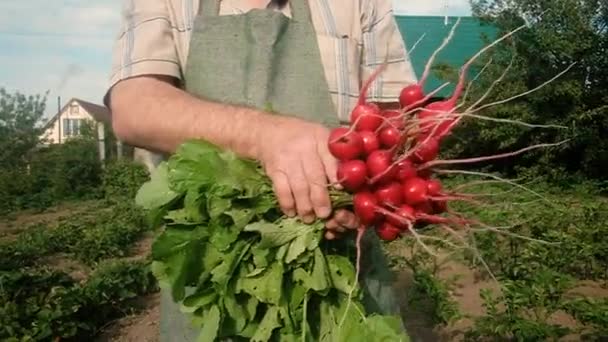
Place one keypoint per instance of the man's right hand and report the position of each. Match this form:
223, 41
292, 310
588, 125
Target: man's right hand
295, 156
293, 152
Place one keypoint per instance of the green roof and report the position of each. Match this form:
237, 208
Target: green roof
467, 41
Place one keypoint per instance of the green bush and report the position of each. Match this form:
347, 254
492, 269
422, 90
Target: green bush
70, 171
42, 305
122, 178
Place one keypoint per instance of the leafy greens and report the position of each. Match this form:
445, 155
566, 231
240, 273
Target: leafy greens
242, 270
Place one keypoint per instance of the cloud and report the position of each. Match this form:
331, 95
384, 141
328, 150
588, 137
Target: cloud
64, 46
60, 46
432, 7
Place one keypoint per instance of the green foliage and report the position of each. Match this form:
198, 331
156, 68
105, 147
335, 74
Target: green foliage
88, 238
19, 133
239, 267
123, 178
538, 276
558, 33
68, 171
41, 305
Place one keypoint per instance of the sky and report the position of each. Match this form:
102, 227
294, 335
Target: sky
64, 46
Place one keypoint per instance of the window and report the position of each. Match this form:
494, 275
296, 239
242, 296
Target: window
71, 127
74, 109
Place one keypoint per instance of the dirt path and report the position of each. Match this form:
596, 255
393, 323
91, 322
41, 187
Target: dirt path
142, 327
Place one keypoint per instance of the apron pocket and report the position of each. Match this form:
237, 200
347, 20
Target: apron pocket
341, 57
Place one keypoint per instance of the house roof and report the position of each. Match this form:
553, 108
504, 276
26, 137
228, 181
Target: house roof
468, 39
98, 112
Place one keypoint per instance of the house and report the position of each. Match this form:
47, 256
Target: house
430, 32
69, 120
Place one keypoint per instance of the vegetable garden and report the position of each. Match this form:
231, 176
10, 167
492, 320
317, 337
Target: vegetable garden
488, 204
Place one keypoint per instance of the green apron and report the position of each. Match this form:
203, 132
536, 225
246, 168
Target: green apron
257, 59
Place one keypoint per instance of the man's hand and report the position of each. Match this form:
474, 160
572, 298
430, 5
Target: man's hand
295, 156
339, 223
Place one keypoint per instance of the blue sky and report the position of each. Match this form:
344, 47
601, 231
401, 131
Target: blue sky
64, 46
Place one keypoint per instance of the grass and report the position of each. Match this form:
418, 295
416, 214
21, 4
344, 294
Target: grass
69, 271
87, 257
543, 291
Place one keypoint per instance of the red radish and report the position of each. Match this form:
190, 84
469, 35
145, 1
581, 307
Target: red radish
405, 170
440, 207
426, 150
424, 173
345, 144
389, 137
389, 194
433, 187
411, 95
435, 118
370, 142
394, 118
425, 207
352, 174
380, 166
415, 191
365, 204
366, 117
388, 232
405, 212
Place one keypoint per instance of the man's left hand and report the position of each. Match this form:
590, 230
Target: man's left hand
340, 222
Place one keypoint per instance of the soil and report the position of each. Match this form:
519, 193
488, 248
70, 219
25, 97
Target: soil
15, 223
141, 327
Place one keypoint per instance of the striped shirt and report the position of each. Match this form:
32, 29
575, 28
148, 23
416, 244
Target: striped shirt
354, 37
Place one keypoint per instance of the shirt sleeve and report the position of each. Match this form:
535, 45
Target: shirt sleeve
382, 41
145, 44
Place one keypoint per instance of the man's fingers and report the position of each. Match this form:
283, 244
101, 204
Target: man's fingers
301, 193
319, 196
347, 219
333, 225
330, 165
282, 190
331, 235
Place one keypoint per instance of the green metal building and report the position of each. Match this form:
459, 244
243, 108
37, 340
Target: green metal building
468, 39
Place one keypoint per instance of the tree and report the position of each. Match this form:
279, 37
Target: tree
19, 133
558, 33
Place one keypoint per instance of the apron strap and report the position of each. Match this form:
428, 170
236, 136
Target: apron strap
299, 9
209, 8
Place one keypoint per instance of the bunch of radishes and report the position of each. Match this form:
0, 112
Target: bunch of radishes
380, 155
387, 156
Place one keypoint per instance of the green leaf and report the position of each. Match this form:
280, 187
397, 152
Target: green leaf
193, 205
385, 328
266, 287
198, 300
318, 280
211, 325
240, 217
300, 244
279, 234
180, 257
260, 256
156, 192
268, 324
195, 165
224, 272
342, 272
223, 237
236, 312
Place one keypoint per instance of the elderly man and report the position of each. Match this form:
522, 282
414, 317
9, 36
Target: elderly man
210, 69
